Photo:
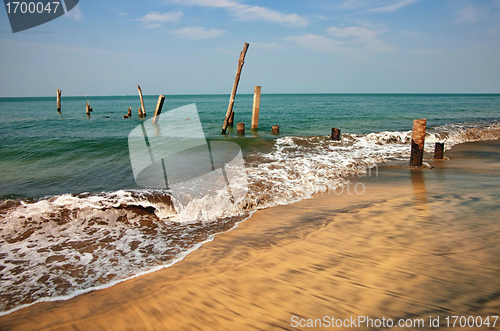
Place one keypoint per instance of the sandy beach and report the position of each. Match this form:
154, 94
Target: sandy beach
397, 244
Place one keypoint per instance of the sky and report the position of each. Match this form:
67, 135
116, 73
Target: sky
315, 46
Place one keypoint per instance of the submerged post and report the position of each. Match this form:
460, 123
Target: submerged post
240, 128
159, 106
256, 108
335, 134
143, 110
275, 129
439, 151
230, 113
59, 100
417, 142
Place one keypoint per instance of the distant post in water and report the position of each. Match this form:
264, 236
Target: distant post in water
88, 109
129, 112
142, 102
439, 151
59, 100
159, 106
417, 142
335, 134
139, 111
230, 114
275, 129
240, 128
256, 108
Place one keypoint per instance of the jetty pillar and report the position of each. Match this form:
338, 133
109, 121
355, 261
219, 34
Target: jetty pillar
275, 129
159, 106
439, 151
230, 114
417, 142
335, 134
256, 107
59, 100
240, 128
143, 110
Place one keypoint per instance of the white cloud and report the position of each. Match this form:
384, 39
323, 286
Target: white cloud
154, 19
249, 13
345, 40
393, 6
198, 32
75, 14
265, 46
469, 14
317, 43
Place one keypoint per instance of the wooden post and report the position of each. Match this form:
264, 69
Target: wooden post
142, 102
129, 112
230, 112
88, 109
159, 106
256, 108
240, 128
335, 134
231, 119
439, 151
139, 111
275, 129
59, 100
417, 142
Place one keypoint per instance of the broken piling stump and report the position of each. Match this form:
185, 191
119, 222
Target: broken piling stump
335, 134
59, 100
256, 108
417, 142
439, 151
275, 129
240, 128
88, 109
129, 112
230, 114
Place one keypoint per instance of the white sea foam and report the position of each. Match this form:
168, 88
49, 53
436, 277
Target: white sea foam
62, 246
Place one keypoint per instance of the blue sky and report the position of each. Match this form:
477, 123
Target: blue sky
315, 46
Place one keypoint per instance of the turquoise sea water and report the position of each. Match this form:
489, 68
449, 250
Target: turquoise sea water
45, 153
72, 218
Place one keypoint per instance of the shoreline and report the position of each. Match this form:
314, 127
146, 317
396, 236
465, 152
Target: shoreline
263, 272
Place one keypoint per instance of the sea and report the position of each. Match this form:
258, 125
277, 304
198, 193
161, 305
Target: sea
73, 218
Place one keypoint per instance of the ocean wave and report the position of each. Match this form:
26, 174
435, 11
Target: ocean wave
61, 246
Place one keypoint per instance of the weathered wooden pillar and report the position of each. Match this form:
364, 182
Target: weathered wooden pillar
59, 100
142, 102
439, 151
159, 106
240, 128
139, 112
256, 108
231, 119
417, 142
275, 129
88, 109
230, 113
129, 112
335, 134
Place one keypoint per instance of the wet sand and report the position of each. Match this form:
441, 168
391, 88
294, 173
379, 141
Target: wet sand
401, 243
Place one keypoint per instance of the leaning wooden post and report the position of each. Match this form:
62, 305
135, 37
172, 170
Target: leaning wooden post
240, 128
59, 100
275, 129
335, 134
229, 113
417, 142
142, 101
159, 106
256, 108
439, 151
